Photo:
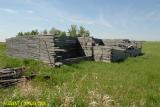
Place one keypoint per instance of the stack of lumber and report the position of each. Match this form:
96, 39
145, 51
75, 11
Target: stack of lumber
108, 54
133, 48
65, 47
32, 47
85, 41
123, 43
118, 54
102, 53
56, 50
133, 52
10, 77
86, 46
97, 42
47, 48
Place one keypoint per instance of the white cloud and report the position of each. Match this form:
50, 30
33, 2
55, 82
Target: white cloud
81, 21
8, 10
100, 21
70, 17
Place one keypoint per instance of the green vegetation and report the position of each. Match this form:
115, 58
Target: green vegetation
45, 32
33, 32
73, 31
132, 83
57, 32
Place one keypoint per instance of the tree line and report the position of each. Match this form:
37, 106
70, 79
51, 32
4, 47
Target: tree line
73, 31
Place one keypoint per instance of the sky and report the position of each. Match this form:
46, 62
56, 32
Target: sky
132, 19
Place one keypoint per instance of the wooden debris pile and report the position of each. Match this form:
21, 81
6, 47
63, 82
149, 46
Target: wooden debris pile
10, 77
132, 48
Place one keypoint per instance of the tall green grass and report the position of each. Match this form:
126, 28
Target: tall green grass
132, 83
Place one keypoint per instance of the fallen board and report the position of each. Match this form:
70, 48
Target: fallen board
10, 76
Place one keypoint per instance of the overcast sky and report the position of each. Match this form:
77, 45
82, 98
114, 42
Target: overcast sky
133, 19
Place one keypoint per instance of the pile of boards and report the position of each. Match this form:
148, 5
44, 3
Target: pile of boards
32, 47
86, 46
55, 50
10, 76
132, 48
65, 47
101, 51
47, 48
108, 54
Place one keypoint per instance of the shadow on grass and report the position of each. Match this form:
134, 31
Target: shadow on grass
141, 54
75, 64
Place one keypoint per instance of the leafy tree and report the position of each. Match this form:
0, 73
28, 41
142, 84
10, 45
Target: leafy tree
87, 33
45, 32
73, 31
55, 31
27, 33
20, 34
63, 34
81, 31
34, 32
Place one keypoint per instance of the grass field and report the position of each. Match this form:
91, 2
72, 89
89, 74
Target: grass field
132, 83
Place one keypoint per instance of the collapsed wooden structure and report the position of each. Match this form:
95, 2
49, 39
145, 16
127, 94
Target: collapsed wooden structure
57, 50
